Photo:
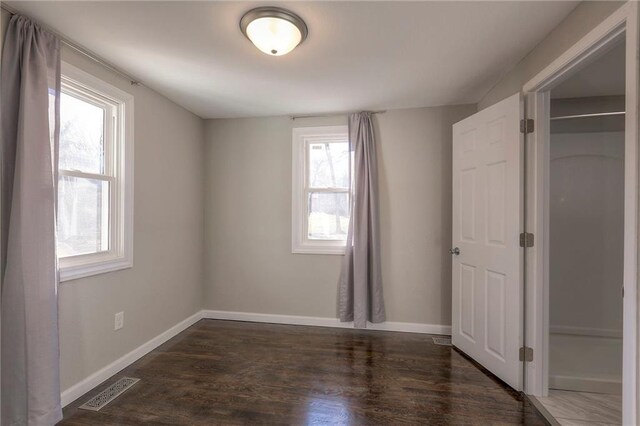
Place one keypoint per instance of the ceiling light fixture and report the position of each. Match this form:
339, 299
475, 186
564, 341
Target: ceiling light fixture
273, 30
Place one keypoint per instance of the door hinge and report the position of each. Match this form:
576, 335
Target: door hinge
526, 125
526, 354
526, 239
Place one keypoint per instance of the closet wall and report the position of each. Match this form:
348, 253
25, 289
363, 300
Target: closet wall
586, 245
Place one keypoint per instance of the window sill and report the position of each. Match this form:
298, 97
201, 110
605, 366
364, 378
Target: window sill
334, 250
69, 272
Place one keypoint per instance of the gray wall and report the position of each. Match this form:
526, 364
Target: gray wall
165, 284
249, 264
586, 260
583, 19
586, 230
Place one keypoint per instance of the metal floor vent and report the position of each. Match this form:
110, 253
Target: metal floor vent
443, 341
109, 394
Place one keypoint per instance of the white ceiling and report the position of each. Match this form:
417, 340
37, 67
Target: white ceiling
359, 55
605, 76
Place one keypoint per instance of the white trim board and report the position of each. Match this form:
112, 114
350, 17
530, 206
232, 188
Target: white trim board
407, 327
586, 331
585, 384
76, 391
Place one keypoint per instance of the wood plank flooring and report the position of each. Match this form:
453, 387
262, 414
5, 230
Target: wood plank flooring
583, 408
234, 373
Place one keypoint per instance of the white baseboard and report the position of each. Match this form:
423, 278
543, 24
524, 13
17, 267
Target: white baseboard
586, 331
74, 392
407, 327
586, 384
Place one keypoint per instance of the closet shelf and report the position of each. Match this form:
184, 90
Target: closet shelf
597, 114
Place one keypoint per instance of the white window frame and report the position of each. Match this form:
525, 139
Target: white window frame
302, 138
119, 167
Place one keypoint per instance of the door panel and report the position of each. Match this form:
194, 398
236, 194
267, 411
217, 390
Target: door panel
487, 293
467, 205
467, 296
495, 308
496, 203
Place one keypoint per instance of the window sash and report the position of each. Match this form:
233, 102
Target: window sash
308, 189
111, 219
110, 123
307, 166
307, 194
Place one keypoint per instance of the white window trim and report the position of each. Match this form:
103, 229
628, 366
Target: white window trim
300, 243
120, 255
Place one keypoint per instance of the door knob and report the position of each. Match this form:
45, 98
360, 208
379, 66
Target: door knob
455, 251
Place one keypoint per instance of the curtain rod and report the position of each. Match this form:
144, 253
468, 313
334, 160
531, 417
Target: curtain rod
597, 114
89, 54
332, 114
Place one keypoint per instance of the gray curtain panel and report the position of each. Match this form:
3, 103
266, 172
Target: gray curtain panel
360, 286
29, 84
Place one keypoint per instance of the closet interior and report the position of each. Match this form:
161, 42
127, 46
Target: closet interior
586, 231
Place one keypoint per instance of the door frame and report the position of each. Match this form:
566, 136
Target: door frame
622, 23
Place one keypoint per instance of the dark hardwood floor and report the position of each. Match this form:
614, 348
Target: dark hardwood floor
228, 373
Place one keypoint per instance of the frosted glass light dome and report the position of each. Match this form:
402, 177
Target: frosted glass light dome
272, 30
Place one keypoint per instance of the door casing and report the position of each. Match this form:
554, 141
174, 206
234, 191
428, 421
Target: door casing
622, 23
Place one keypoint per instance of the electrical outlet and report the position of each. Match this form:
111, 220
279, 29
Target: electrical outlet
119, 321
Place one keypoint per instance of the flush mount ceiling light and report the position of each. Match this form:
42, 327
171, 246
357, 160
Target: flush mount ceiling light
273, 30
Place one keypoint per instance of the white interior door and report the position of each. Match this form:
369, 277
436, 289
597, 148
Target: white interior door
487, 211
